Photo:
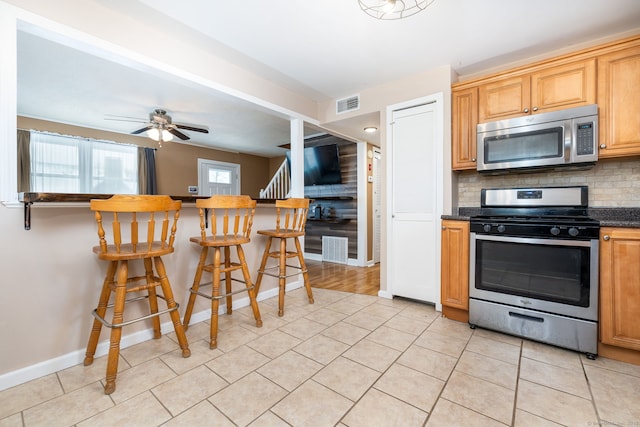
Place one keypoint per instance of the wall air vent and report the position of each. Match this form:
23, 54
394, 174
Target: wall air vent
335, 249
350, 103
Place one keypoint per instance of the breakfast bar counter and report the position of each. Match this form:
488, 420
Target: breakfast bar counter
28, 199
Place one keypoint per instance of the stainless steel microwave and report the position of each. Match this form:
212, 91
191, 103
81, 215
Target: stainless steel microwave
546, 140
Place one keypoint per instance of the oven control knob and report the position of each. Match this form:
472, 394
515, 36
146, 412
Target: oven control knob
555, 231
573, 232
486, 228
501, 229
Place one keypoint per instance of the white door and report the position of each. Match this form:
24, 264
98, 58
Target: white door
218, 178
377, 205
413, 234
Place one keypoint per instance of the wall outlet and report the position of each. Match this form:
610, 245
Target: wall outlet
193, 189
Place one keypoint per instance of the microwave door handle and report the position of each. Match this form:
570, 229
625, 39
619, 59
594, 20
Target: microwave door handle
569, 140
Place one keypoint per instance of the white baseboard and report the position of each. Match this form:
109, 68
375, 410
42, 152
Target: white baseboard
318, 257
313, 257
28, 373
385, 294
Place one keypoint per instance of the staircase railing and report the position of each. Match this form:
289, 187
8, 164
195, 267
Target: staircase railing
280, 185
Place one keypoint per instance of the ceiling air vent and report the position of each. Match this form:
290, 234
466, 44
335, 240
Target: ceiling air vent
351, 103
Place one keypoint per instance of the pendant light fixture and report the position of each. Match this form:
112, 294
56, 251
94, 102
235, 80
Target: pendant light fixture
393, 9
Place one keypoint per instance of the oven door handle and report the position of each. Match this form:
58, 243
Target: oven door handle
526, 317
533, 241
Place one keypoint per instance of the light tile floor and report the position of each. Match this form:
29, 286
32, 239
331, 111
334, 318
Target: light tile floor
347, 360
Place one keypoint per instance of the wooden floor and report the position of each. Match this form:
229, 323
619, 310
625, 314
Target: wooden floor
346, 278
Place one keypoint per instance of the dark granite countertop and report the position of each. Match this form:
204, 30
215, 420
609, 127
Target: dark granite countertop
608, 217
75, 197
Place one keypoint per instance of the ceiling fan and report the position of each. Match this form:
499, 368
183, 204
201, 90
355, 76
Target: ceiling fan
160, 126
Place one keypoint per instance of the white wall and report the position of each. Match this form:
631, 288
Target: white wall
377, 99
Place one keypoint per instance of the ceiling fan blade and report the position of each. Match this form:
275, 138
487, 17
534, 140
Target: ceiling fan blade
177, 133
192, 128
144, 129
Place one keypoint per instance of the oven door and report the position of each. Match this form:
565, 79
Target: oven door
549, 275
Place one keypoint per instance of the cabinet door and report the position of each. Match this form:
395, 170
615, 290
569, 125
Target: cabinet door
620, 287
464, 119
619, 103
564, 86
505, 98
455, 264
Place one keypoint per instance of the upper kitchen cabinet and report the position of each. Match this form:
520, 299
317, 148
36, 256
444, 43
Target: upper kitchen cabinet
465, 112
504, 98
561, 86
619, 102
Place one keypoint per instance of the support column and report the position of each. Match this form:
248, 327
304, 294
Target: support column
297, 158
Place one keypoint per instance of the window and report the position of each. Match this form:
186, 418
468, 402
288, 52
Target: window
67, 164
219, 176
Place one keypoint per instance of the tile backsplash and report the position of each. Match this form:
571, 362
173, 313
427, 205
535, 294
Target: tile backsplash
611, 182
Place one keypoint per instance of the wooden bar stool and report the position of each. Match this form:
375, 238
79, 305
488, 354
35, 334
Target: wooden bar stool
129, 242
231, 221
291, 217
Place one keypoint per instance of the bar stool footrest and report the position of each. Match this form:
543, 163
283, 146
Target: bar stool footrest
221, 296
267, 273
129, 322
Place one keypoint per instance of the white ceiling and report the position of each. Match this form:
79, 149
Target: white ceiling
321, 49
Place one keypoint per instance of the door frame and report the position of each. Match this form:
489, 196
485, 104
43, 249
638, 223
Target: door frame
235, 167
438, 100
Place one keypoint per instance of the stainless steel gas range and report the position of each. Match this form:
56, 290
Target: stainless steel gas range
534, 266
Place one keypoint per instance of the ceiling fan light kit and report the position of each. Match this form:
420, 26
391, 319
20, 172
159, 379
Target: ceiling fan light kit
393, 9
159, 135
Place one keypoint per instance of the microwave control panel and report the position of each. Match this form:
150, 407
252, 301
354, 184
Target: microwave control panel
584, 139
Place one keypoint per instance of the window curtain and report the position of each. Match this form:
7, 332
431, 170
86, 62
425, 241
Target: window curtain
24, 161
147, 183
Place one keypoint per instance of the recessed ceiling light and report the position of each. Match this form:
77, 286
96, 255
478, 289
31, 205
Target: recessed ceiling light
370, 129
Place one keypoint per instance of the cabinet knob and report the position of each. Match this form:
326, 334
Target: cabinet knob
526, 110
444, 227
473, 159
606, 237
603, 146
535, 108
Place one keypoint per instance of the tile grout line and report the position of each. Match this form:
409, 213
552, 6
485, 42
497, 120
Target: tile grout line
385, 371
593, 400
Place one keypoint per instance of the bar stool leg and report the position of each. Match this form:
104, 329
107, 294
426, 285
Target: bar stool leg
116, 331
282, 276
153, 298
227, 278
171, 303
250, 288
303, 267
195, 286
100, 311
215, 301
263, 264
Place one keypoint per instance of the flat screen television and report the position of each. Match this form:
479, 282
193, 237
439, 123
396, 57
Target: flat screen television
321, 165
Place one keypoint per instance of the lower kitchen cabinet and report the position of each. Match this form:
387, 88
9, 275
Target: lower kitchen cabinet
620, 294
455, 270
